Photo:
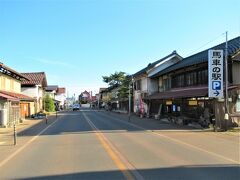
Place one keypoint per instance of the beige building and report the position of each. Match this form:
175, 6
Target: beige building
13, 104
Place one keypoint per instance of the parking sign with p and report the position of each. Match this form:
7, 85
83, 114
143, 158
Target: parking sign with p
215, 73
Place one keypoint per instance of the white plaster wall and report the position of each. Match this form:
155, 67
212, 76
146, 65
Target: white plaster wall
137, 96
40, 92
152, 86
30, 91
61, 98
144, 84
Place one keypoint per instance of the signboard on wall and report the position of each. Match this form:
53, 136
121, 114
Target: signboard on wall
192, 103
168, 102
215, 73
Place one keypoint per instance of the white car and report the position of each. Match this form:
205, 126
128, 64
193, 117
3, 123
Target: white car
76, 107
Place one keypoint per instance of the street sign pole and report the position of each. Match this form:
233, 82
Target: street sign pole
226, 117
215, 75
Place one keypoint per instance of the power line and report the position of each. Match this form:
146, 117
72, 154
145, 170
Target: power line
205, 44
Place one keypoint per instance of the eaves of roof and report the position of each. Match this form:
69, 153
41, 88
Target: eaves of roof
51, 88
202, 57
16, 95
9, 71
152, 65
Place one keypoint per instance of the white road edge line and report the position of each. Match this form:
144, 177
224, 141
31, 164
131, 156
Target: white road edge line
177, 141
25, 145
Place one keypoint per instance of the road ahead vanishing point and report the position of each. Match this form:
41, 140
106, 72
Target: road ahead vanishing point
91, 144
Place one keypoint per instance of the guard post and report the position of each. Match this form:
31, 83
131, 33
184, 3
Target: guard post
14, 134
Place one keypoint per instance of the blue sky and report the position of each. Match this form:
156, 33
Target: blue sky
77, 42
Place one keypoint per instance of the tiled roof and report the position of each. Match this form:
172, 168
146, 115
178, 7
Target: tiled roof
102, 89
61, 90
51, 88
16, 95
151, 65
85, 92
202, 57
35, 78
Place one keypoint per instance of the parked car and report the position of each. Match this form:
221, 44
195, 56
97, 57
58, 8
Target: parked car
76, 107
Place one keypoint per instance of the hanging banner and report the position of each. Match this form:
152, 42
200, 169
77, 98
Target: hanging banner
215, 73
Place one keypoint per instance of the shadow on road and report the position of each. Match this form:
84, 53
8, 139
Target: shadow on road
218, 172
73, 122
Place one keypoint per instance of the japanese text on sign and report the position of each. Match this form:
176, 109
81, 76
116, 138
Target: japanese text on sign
215, 73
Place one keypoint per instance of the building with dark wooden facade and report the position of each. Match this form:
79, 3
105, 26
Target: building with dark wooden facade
183, 88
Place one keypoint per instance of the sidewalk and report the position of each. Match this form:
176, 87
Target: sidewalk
163, 125
26, 130
6, 134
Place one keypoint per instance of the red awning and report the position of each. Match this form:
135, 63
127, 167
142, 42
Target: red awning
4, 96
13, 95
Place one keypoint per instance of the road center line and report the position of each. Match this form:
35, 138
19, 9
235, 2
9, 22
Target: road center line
124, 166
25, 145
177, 141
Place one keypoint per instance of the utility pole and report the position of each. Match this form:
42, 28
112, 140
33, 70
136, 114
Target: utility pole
98, 98
129, 99
129, 102
226, 116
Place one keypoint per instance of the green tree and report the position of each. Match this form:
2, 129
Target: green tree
115, 79
121, 80
124, 88
49, 104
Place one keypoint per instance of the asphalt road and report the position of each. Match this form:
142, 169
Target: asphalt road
91, 144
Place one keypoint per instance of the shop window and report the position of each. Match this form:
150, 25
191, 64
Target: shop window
191, 78
166, 84
203, 76
178, 81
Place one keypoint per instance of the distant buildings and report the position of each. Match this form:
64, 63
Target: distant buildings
85, 97
58, 94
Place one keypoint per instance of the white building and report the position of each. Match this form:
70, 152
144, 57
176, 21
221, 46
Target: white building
144, 86
61, 97
35, 88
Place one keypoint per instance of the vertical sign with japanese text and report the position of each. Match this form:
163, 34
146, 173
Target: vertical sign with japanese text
215, 73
